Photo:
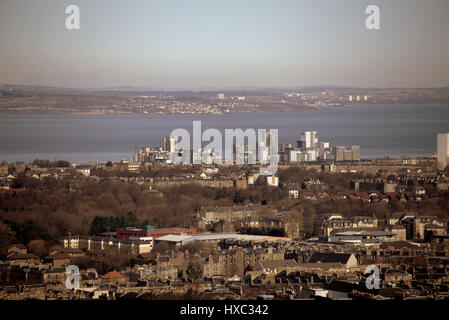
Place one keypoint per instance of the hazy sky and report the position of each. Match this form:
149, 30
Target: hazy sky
196, 43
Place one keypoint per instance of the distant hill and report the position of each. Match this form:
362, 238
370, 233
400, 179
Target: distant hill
141, 89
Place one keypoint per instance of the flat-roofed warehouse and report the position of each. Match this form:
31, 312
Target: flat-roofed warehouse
180, 239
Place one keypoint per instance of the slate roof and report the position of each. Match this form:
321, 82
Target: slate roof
398, 245
323, 265
275, 264
23, 256
57, 256
348, 287
328, 257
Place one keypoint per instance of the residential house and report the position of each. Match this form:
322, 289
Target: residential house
58, 260
17, 248
113, 277
21, 259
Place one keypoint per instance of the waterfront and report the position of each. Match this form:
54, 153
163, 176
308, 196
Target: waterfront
380, 131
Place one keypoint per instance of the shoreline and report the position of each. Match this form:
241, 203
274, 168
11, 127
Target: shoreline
306, 108
363, 161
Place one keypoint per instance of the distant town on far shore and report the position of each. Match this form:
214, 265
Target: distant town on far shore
29, 99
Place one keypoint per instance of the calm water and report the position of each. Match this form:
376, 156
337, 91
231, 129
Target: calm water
380, 131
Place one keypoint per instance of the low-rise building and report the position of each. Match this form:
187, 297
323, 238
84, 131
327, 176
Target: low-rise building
94, 243
150, 231
399, 231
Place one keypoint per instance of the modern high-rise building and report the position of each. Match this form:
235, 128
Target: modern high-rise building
442, 150
347, 153
308, 139
324, 151
168, 144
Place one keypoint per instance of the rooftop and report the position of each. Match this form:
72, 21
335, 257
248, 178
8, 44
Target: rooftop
327, 257
113, 275
366, 233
